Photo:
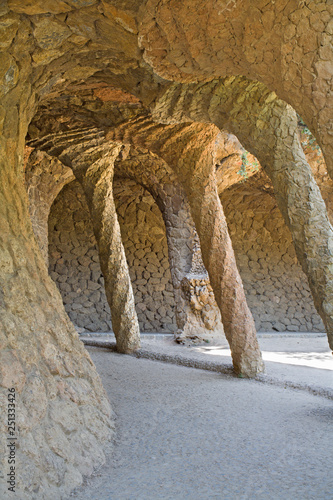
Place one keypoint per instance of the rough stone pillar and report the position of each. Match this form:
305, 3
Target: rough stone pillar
97, 182
276, 144
219, 260
63, 417
197, 315
304, 211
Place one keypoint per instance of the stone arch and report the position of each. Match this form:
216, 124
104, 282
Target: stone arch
197, 314
285, 45
145, 243
189, 149
74, 260
47, 49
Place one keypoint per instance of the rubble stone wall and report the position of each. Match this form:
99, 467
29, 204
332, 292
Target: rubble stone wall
276, 288
144, 238
74, 262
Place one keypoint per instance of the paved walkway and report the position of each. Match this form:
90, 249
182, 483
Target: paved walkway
186, 433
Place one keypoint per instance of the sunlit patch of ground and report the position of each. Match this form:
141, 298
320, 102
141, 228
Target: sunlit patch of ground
322, 360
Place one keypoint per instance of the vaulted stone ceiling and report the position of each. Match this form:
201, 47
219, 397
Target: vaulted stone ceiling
99, 84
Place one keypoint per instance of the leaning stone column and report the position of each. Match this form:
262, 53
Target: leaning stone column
304, 211
63, 417
219, 260
97, 182
92, 160
197, 314
267, 127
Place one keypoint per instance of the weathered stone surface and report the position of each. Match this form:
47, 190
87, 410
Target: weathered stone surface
33, 7
97, 185
32, 317
55, 55
144, 237
50, 34
185, 261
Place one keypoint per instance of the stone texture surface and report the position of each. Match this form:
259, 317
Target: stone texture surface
276, 288
197, 313
74, 261
95, 172
55, 56
263, 247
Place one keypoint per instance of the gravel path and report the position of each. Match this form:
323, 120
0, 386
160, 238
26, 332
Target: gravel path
185, 433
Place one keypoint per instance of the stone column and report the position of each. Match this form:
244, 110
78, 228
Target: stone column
303, 208
197, 314
92, 161
97, 183
219, 260
276, 144
63, 416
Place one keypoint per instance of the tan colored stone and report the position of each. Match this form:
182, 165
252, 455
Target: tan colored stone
8, 28
11, 371
211, 44
43, 57
50, 34
127, 21
33, 7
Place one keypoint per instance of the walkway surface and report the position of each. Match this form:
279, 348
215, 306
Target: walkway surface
188, 433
